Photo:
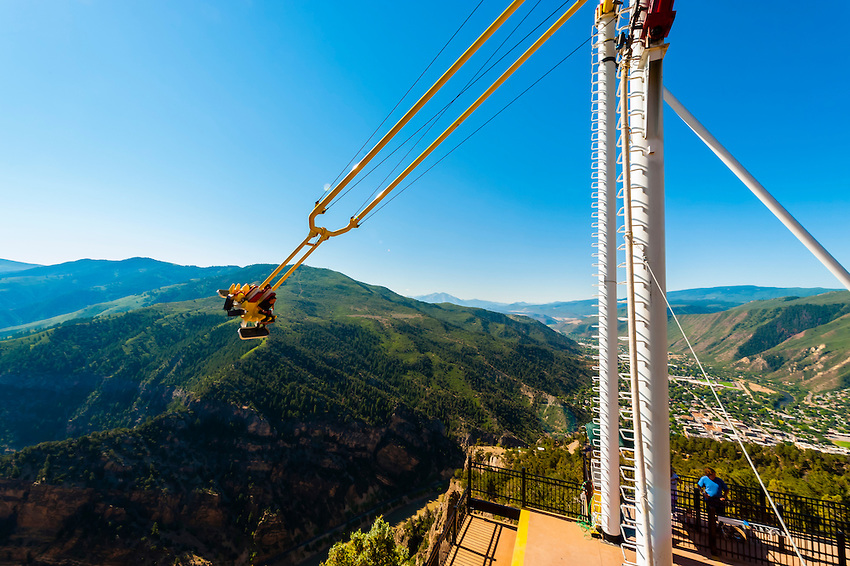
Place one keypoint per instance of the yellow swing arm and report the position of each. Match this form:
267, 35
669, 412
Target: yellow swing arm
319, 234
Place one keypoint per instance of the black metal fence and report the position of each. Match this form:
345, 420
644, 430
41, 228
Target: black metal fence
455, 516
504, 492
747, 528
518, 489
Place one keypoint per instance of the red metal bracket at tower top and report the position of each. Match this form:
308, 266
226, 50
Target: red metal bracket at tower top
659, 20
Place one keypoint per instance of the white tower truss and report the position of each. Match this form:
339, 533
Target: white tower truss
605, 466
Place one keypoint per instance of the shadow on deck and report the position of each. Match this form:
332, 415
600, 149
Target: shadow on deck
546, 540
483, 542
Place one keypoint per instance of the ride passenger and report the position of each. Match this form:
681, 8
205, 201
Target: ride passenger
266, 306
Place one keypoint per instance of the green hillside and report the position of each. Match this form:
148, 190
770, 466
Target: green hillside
340, 347
47, 295
801, 340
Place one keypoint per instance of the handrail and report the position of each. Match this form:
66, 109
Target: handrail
823, 523
450, 527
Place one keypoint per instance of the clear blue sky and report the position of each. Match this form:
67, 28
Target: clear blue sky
202, 132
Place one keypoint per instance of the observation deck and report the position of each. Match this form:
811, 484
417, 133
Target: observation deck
549, 539
506, 517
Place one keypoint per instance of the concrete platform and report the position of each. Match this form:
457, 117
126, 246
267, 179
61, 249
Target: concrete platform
545, 540
483, 542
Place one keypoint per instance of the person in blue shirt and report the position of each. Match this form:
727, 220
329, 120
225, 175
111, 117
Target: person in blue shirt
714, 490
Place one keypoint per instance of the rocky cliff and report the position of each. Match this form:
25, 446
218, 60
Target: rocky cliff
214, 484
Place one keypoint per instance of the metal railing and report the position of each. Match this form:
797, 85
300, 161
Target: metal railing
455, 516
746, 529
504, 492
518, 489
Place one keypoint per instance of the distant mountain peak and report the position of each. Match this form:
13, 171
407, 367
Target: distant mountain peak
439, 298
9, 266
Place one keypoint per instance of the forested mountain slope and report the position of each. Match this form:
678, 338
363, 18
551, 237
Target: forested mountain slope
251, 448
339, 347
212, 484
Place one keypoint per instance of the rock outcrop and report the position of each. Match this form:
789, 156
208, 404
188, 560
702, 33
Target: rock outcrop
215, 484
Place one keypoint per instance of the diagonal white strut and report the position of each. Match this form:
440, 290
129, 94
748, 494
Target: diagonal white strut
765, 197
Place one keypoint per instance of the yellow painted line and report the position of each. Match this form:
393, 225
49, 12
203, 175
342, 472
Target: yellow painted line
521, 539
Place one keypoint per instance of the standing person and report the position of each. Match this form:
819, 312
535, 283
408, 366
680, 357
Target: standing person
674, 490
714, 490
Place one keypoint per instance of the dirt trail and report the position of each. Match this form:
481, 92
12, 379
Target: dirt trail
743, 386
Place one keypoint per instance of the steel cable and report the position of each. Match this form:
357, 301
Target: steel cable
431, 122
505, 107
726, 417
387, 117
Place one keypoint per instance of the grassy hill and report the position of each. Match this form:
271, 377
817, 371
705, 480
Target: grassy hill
800, 340
339, 347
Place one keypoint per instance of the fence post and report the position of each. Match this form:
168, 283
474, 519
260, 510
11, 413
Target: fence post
523, 487
697, 510
712, 529
842, 551
762, 507
454, 526
469, 475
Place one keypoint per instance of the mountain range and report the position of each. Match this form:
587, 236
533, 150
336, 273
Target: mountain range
328, 324
710, 299
156, 433
137, 427
793, 335
48, 295
8, 266
567, 316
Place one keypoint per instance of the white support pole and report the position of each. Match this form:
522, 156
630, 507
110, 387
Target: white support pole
656, 393
606, 166
650, 325
636, 230
765, 197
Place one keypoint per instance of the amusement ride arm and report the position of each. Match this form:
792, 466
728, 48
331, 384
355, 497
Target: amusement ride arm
319, 234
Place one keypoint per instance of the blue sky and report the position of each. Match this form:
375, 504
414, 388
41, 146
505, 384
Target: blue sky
202, 133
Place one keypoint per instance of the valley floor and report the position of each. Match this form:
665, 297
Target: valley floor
815, 423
